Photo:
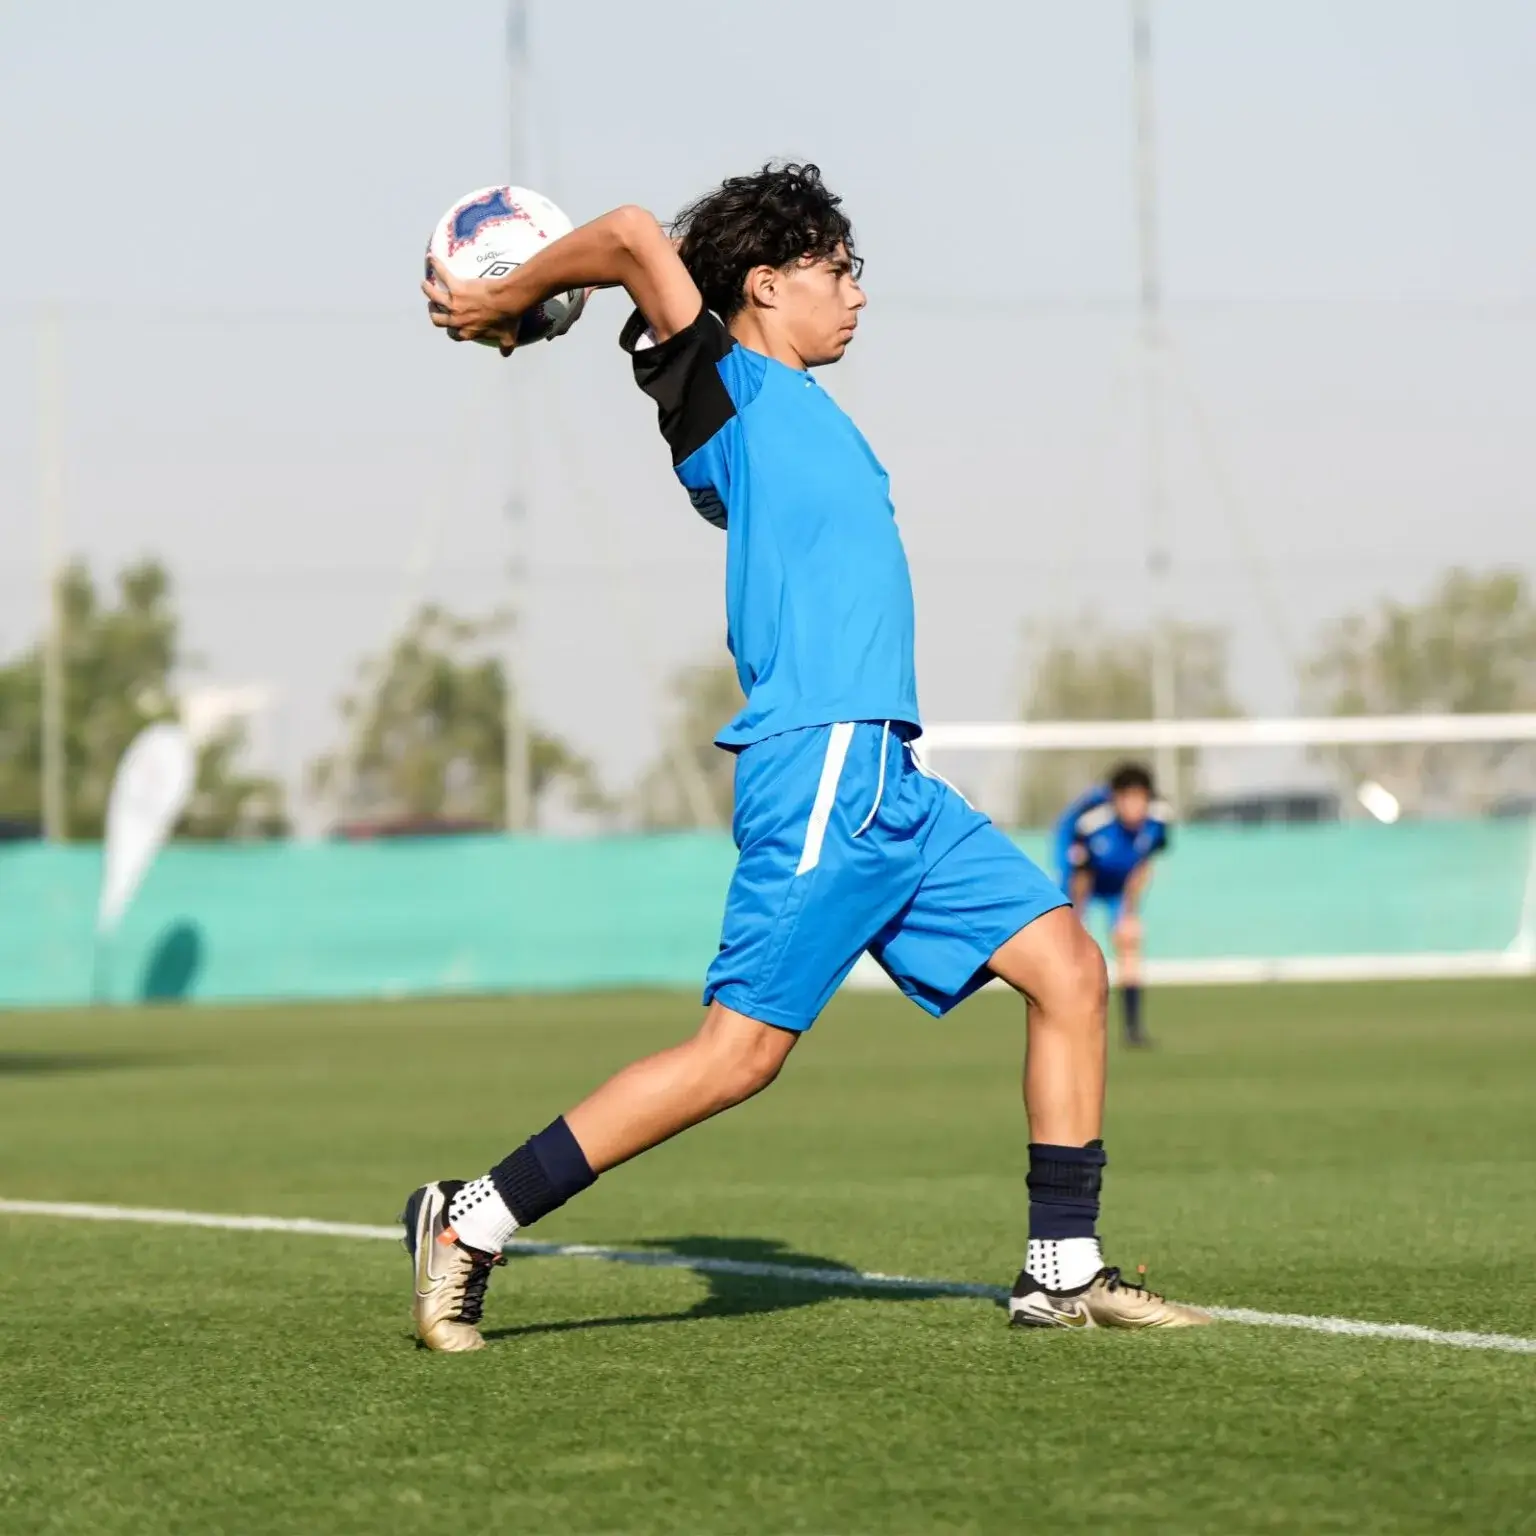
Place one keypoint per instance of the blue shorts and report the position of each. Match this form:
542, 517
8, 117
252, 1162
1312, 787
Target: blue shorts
847, 844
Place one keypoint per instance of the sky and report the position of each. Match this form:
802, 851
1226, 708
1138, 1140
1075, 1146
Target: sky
225, 207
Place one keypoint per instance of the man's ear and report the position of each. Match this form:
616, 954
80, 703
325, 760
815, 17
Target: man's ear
763, 286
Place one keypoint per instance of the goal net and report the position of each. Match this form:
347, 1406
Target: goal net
1303, 849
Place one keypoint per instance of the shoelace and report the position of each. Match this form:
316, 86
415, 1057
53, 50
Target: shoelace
472, 1303
1115, 1281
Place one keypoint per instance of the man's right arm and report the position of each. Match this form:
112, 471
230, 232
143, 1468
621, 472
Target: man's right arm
627, 249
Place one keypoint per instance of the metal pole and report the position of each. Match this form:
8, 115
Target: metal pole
51, 508
1154, 490
518, 787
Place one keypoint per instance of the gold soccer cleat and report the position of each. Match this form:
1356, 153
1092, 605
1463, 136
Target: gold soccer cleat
450, 1277
1107, 1301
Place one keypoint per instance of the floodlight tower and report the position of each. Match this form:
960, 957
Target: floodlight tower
518, 774
55, 806
1151, 346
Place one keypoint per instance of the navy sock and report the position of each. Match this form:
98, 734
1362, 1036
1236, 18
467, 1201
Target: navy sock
1130, 1010
1064, 1187
542, 1174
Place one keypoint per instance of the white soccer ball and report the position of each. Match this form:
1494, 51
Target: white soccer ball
492, 231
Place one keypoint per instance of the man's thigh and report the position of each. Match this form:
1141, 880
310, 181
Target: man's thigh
813, 884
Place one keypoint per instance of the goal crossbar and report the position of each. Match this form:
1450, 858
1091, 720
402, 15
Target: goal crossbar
1302, 730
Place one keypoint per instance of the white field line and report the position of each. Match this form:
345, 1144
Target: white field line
1518, 959
848, 1278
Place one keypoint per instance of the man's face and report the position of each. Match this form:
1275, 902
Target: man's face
819, 306
1131, 807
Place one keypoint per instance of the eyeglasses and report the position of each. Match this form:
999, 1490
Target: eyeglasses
839, 266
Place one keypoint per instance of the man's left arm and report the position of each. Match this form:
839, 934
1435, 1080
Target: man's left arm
1141, 877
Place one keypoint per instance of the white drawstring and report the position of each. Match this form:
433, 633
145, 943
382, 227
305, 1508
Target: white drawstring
885, 736
928, 772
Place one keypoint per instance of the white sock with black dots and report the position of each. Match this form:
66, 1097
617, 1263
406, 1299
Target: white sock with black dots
1063, 1263
480, 1218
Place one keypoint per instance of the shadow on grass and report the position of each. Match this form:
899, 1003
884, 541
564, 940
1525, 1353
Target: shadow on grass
730, 1295
55, 1063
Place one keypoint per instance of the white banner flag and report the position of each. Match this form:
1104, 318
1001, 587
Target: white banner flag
151, 789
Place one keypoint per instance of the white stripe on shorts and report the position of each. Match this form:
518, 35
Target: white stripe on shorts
928, 773
826, 796
874, 810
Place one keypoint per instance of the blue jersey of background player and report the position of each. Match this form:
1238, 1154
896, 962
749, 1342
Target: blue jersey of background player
1105, 843
847, 844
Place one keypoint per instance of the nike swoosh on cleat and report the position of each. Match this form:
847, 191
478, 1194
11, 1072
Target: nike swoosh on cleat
425, 1252
1055, 1317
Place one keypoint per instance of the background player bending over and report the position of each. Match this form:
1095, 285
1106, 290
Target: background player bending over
1105, 843
846, 842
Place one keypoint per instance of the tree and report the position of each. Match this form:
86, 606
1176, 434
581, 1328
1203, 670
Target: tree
227, 802
121, 664
1468, 648
1079, 670
692, 782
427, 733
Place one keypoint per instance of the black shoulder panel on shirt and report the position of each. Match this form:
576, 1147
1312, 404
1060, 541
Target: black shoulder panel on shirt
680, 375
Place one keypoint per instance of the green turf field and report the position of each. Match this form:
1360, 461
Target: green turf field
1366, 1152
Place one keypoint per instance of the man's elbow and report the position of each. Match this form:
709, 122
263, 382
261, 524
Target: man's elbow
637, 230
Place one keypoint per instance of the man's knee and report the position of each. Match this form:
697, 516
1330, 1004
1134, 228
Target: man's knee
743, 1056
1084, 978
752, 1069
1056, 964
1074, 983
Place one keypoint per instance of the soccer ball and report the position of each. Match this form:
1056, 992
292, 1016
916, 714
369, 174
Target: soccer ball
492, 231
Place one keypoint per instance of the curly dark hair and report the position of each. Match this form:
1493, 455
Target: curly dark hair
770, 219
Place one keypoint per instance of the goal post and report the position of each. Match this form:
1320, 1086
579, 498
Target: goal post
1425, 867
1291, 731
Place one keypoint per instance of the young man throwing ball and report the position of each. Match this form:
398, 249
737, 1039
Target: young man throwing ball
846, 842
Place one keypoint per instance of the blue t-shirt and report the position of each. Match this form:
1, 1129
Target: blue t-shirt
1090, 836
818, 597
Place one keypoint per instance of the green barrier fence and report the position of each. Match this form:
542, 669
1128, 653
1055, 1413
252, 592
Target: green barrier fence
487, 914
